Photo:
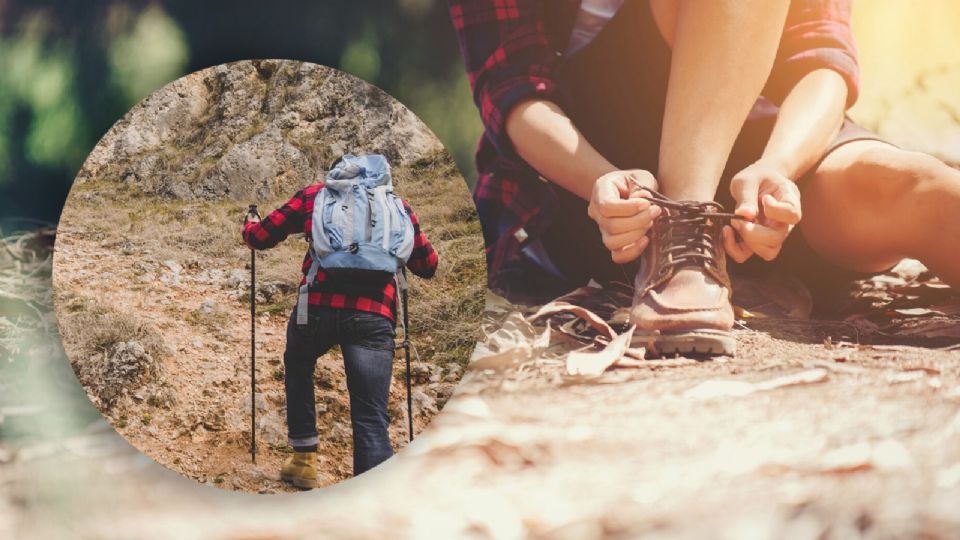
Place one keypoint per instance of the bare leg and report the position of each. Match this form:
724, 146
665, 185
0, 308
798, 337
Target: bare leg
870, 204
723, 51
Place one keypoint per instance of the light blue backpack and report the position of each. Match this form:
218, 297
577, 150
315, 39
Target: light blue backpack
361, 233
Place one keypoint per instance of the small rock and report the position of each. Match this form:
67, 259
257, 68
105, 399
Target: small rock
421, 372
423, 403
208, 306
261, 402
272, 429
213, 422
173, 266
339, 432
237, 278
453, 367
445, 391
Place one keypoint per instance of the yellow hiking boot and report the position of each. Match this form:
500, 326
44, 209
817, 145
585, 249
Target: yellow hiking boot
300, 469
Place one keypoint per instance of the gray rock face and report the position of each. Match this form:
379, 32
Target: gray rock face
251, 130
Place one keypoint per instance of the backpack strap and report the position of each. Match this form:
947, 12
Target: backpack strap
401, 281
302, 307
319, 242
384, 214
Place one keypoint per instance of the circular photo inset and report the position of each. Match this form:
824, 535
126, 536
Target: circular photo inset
238, 265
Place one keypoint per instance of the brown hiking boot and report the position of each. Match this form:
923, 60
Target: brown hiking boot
681, 303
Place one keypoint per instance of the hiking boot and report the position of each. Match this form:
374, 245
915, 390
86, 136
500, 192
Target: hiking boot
300, 469
681, 301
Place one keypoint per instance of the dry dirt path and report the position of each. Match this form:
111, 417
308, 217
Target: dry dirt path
796, 437
865, 443
199, 408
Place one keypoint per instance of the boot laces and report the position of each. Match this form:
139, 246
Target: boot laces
688, 232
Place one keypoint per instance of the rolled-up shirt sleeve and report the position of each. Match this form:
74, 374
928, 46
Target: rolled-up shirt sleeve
423, 259
282, 222
508, 58
817, 35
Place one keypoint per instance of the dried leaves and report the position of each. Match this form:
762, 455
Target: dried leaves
595, 363
597, 346
728, 388
515, 341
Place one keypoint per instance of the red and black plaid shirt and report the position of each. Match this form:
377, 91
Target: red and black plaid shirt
511, 49
296, 217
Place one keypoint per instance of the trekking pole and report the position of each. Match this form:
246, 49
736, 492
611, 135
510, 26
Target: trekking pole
406, 348
253, 343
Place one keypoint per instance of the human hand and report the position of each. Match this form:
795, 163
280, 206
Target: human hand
769, 202
252, 215
622, 212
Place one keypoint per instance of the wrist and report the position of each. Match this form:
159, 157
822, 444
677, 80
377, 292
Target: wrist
780, 163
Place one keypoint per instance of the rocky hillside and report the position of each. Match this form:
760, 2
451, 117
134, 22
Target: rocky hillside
253, 129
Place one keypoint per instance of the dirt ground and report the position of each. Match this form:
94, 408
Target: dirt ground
837, 428
154, 310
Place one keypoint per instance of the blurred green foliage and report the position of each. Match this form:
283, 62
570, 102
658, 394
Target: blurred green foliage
69, 69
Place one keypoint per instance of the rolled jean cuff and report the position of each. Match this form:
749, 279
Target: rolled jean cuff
303, 441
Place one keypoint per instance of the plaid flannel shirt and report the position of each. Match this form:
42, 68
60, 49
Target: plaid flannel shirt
511, 49
296, 216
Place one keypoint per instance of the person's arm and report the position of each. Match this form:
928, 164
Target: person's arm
814, 80
510, 66
423, 259
809, 120
546, 139
508, 58
549, 142
282, 222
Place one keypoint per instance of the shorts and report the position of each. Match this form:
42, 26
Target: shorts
614, 91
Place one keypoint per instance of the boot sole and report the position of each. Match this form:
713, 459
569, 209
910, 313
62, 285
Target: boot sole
692, 343
299, 482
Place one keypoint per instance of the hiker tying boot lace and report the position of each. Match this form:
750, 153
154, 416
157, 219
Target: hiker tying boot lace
682, 289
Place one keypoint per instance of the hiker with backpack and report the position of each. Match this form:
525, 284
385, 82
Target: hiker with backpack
361, 236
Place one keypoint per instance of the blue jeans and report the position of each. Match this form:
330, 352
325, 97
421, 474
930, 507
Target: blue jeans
367, 343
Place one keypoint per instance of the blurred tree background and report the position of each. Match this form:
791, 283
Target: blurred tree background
69, 69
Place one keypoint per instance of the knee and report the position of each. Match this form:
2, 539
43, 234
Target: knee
884, 178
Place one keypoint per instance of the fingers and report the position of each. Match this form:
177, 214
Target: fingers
626, 237
619, 225
786, 210
765, 240
607, 203
613, 242
630, 252
623, 213
745, 191
738, 251
639, 179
